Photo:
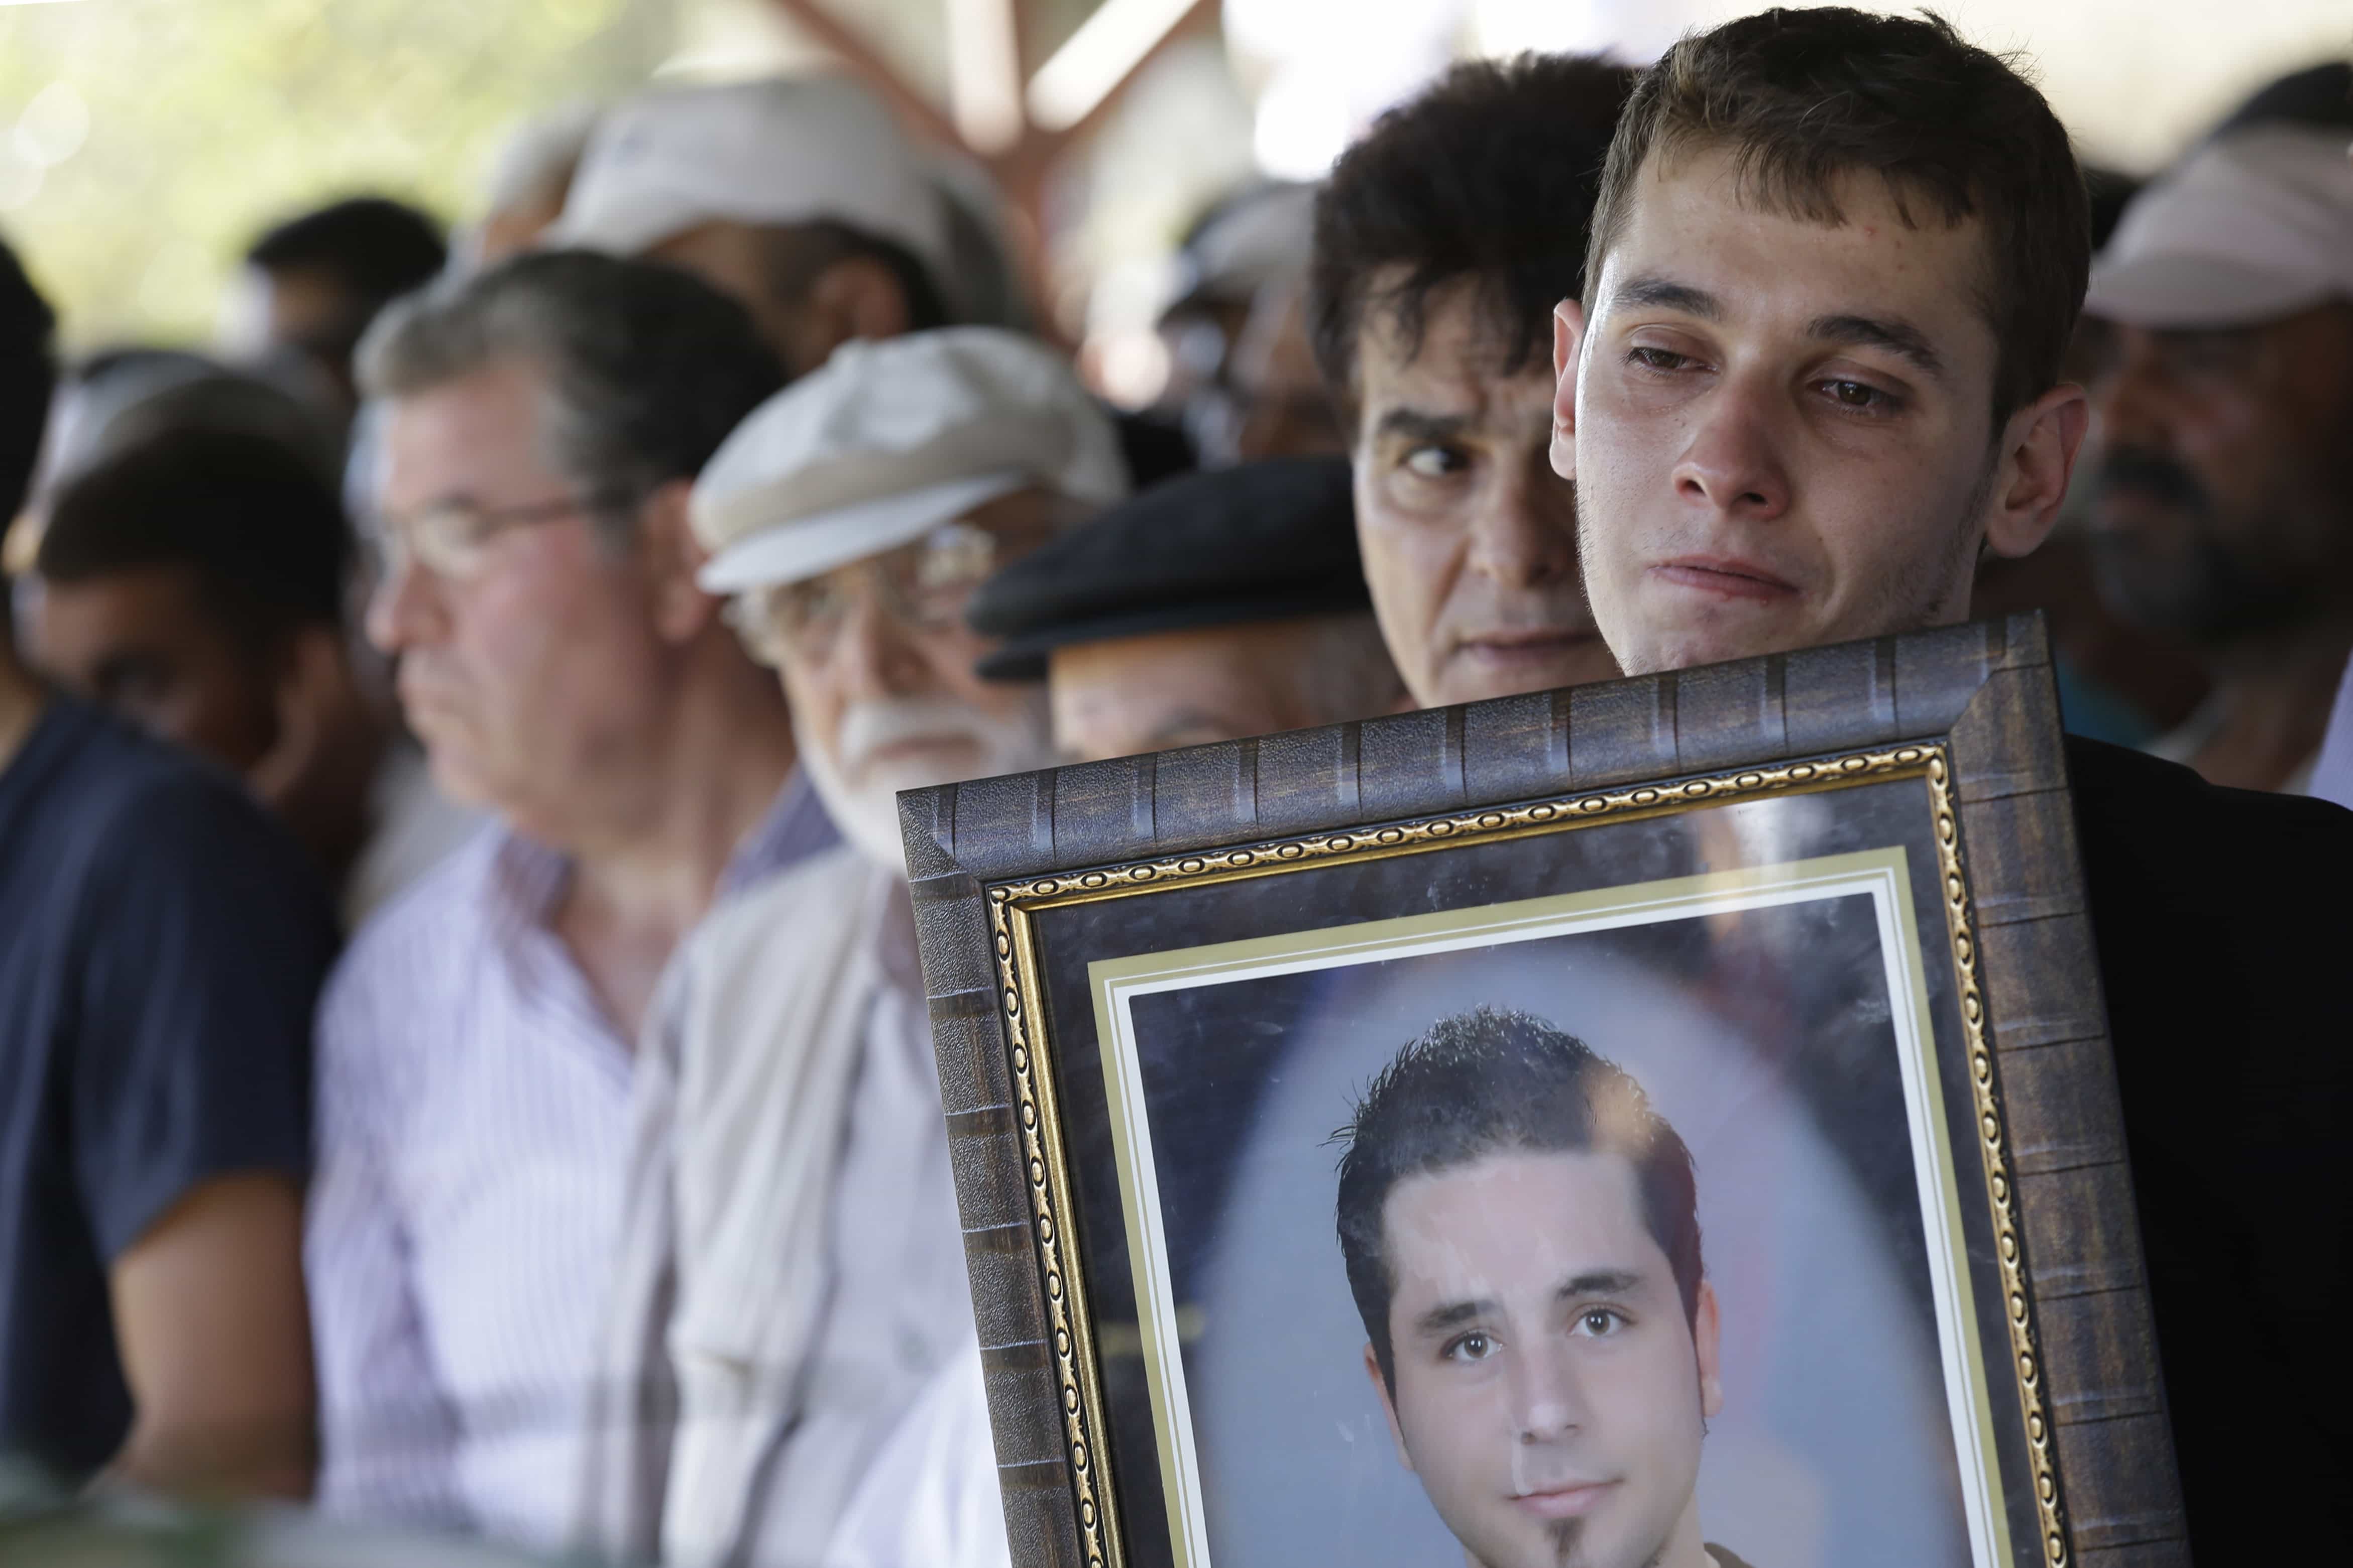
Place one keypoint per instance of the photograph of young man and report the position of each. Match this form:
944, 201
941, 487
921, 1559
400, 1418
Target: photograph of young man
1520, 1233
1814, 375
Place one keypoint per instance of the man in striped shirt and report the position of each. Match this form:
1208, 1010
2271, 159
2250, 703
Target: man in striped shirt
544, 422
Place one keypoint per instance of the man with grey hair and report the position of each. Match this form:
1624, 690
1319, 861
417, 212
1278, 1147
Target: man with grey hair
544, 421
792, 1277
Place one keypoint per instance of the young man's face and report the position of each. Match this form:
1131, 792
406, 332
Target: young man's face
1469, 538
144, 643
1549, 1391
1781, 430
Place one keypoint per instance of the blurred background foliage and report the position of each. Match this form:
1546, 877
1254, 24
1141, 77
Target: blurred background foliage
144, 143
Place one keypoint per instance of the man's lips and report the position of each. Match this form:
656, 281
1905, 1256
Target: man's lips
1572, 1500
1727, 576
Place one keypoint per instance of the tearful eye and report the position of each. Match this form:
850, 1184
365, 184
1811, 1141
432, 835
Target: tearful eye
1656, 359
1435, 462
1855, 395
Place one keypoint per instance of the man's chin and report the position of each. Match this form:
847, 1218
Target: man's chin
919, 769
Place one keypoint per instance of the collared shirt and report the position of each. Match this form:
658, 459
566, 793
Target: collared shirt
473, 1123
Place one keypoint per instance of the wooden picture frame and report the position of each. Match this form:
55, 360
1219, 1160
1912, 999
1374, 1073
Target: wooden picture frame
1969, 712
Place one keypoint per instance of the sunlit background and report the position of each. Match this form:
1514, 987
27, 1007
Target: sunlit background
143, 142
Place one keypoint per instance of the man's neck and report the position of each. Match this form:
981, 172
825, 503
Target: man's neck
22, 697
631, 897
2274, 695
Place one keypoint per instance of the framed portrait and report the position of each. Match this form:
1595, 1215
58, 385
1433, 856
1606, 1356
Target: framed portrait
1665, 1120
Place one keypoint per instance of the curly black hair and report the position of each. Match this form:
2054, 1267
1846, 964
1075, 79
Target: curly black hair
1491, 177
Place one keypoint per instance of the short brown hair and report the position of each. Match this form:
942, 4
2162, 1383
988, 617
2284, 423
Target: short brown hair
1803, 97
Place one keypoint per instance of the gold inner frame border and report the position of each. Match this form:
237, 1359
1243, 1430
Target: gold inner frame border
1013, 904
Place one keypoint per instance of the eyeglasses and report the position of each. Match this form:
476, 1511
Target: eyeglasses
922, 586
452, 537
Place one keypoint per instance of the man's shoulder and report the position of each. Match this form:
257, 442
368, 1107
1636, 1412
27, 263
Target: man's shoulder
2217, 912
128, 821
742, 928
2116, 788
417, 939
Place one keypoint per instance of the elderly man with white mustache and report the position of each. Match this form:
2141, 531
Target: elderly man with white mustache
793, 1280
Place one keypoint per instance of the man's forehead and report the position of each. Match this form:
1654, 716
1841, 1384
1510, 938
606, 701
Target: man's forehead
442, 436
1516, 1212
1695, 216
1453, 330
1461, 366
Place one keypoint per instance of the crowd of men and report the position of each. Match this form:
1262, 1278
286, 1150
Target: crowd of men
476, 1076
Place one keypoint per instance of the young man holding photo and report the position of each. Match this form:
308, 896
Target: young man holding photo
1813, 375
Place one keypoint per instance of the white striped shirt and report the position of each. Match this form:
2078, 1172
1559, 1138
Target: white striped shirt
473, 1111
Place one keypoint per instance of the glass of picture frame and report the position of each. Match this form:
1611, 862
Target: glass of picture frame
1660, 1117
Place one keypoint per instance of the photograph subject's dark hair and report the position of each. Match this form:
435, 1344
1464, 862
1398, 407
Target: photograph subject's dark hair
1804, 98
1493, 1081
1488, 178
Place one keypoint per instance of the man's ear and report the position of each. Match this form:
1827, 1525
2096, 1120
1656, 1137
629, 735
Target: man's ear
1389, 1406
1567, 339
857, 297
1707, 1334
308, 675
673, 556
2039, 446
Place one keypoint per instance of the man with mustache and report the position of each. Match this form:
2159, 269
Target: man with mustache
794, 1278
543, 421
1814, 373
1441, 241
1521, 1232
2226, 401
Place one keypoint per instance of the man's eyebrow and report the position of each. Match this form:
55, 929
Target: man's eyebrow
1422, 425
1899, 338
1452, 1315
1615, 1282
1652, 292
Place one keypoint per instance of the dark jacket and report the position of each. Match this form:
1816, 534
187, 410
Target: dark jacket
2224, 925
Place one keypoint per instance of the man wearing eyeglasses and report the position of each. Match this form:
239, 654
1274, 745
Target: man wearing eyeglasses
792, 1278
544, 421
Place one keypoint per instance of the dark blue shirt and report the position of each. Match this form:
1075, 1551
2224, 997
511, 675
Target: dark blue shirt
162, 944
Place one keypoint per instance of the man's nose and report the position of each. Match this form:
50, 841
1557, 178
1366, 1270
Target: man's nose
1522, 527
875, 652
1733, 463
404, 606
1548, 1402
2130, 397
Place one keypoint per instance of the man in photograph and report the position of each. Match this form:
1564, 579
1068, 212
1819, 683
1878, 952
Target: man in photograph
1813, 376
1521, 1232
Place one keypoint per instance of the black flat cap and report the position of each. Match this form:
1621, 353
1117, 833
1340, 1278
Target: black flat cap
1264, 542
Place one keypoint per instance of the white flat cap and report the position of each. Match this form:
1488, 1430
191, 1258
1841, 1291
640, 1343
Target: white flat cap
888, 440
2255, 225
777, 151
